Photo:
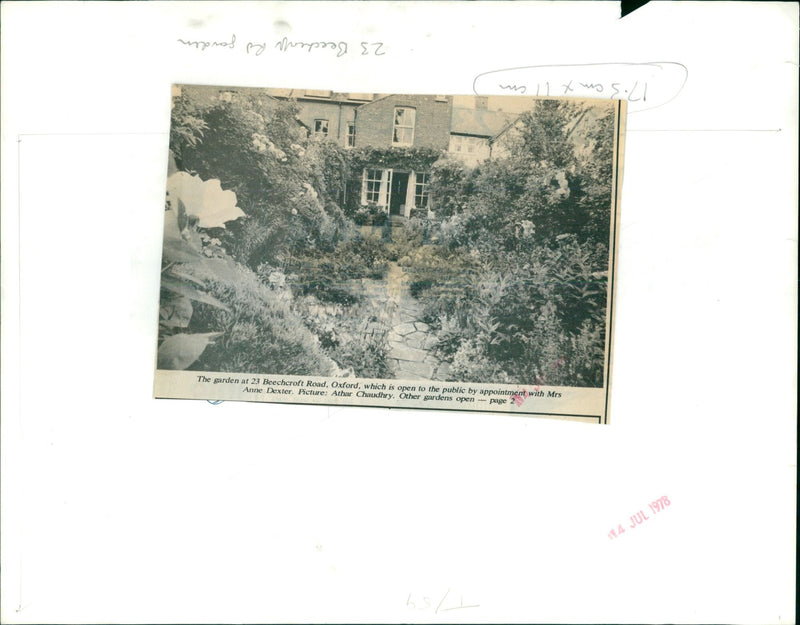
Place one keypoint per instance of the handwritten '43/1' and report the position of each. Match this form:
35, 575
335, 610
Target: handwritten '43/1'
640, 517
444, 605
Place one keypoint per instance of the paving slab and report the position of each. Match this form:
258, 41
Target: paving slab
409, 340
416, 340
414, 371
404, 328
403, 352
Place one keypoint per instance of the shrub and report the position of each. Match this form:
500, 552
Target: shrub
329, 275
362, 349
262, 334
371, 214
509, 316
448, 186
289, 188
354, 336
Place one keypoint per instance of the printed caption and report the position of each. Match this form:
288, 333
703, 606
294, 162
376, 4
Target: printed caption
271, 388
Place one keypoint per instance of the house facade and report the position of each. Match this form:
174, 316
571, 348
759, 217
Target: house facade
327, 115
472, 131
401, 122
392, 130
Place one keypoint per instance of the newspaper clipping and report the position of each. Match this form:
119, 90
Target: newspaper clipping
440, 252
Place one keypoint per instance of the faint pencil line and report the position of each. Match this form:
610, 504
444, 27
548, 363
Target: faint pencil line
87, 134
19, 351
704, 129
442, 601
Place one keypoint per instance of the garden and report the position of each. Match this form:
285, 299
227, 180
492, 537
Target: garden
270, 266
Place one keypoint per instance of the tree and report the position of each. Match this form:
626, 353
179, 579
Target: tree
258, 149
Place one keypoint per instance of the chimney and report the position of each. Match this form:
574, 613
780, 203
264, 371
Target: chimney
481, 102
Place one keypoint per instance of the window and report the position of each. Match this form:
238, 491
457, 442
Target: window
321, 128
465, 145
351, 135
372, 185
403, 133
421, 190
375, 187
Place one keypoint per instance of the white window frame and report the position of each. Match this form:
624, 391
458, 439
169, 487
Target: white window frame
405, 127
384, 186
351, 135
424, 192
465, 144
383, 178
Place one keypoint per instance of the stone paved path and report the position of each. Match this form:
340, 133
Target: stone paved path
410, 340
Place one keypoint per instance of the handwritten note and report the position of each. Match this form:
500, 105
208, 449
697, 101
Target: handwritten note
336, 48
643, 85
446, 602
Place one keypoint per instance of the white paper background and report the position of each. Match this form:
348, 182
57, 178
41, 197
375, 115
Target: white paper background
120, 508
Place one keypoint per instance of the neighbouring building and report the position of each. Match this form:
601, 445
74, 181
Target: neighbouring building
327, 114
473, 129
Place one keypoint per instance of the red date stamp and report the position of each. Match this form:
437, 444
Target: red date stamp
518, 398
659, 505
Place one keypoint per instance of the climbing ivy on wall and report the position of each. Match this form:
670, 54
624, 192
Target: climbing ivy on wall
418, 159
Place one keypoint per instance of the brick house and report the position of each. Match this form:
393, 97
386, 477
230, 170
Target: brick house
396, 122
395, 130
326, 114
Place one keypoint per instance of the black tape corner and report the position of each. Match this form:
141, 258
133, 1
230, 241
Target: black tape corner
629, 6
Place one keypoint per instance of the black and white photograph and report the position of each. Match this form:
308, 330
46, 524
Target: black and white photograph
398, 248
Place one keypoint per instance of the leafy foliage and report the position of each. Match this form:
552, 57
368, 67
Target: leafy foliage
261, 331
287, 186
183, 244
418, 159
449, 179
372, 214
352, 335
204, 201
181, 350
536, 223
187, 125
330, 275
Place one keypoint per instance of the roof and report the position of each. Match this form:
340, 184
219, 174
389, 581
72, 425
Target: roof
479, 122
322, 96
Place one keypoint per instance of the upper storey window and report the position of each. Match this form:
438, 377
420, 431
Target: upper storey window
403, 130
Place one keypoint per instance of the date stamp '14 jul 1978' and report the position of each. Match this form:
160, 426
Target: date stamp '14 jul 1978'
640, 517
